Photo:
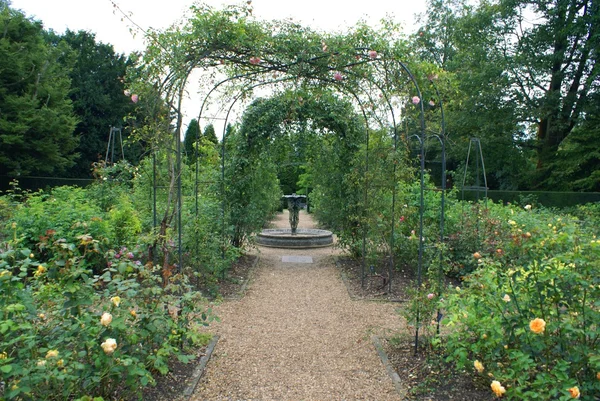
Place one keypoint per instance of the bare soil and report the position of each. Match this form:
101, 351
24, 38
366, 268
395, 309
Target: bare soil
426, 377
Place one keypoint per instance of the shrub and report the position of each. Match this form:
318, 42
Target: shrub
530, 316
68, 333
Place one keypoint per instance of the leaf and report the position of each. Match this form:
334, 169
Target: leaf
6, 368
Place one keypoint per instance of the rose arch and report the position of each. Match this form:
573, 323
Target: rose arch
361, 73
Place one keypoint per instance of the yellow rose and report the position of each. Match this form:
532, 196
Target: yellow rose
116, 301
477, 255
52, 354
497, 388
109, 345
40, 270
106, 319
537, 325
133, 313
60, 363
574, 391
3, 355
478, 366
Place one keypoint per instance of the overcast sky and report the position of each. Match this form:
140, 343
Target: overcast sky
101, 18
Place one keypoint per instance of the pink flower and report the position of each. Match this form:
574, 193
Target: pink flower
134, 98
337, 76
430, 296
416, 99
130, 255
254, 60
402, 219
431, 103
372, 54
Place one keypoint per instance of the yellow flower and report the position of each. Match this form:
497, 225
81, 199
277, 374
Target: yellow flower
574, 391
527, 207
512, 222
52, 354
537, 325
106, 319
477, 255
13, 225
31, 256
60, 363
497, 388
42, 316
41, 362
109, 345
506, 298
116, 301
133, 313
40, 270
478, 366
3, 355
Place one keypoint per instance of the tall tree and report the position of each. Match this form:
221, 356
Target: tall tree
554, 67
36, 119
525, 72
192, 134
98, 96
209, 134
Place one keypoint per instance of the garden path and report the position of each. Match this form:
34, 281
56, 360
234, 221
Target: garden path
297, 335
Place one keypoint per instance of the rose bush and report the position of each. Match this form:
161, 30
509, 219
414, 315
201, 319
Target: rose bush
530, 314
67, 332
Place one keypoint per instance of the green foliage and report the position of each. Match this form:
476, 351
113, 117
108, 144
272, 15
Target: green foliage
37, 120
65, 212
534, 265
192, 135
125, 223
68, 333
97, 93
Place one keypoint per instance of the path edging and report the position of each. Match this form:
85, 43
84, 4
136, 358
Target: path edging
199, 371
389, 368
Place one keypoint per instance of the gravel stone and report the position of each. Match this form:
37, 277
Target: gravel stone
296, 334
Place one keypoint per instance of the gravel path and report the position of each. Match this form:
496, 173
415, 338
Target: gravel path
296, 335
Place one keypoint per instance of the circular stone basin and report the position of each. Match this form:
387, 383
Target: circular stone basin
304, 238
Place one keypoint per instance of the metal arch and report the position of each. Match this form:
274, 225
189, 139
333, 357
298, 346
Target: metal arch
284, 68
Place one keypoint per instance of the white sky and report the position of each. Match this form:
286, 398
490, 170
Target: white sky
100, 17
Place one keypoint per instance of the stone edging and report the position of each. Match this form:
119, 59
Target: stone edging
199, 371
389, 368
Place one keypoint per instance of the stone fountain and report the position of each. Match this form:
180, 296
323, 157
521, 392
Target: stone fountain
295, 237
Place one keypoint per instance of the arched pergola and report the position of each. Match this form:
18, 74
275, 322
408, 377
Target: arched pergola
363, 65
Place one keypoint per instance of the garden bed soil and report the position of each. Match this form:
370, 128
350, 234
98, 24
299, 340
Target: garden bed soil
234, 283
376, 285
171, 387
428, 378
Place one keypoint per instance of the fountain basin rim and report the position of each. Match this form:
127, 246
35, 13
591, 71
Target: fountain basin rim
300, 233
